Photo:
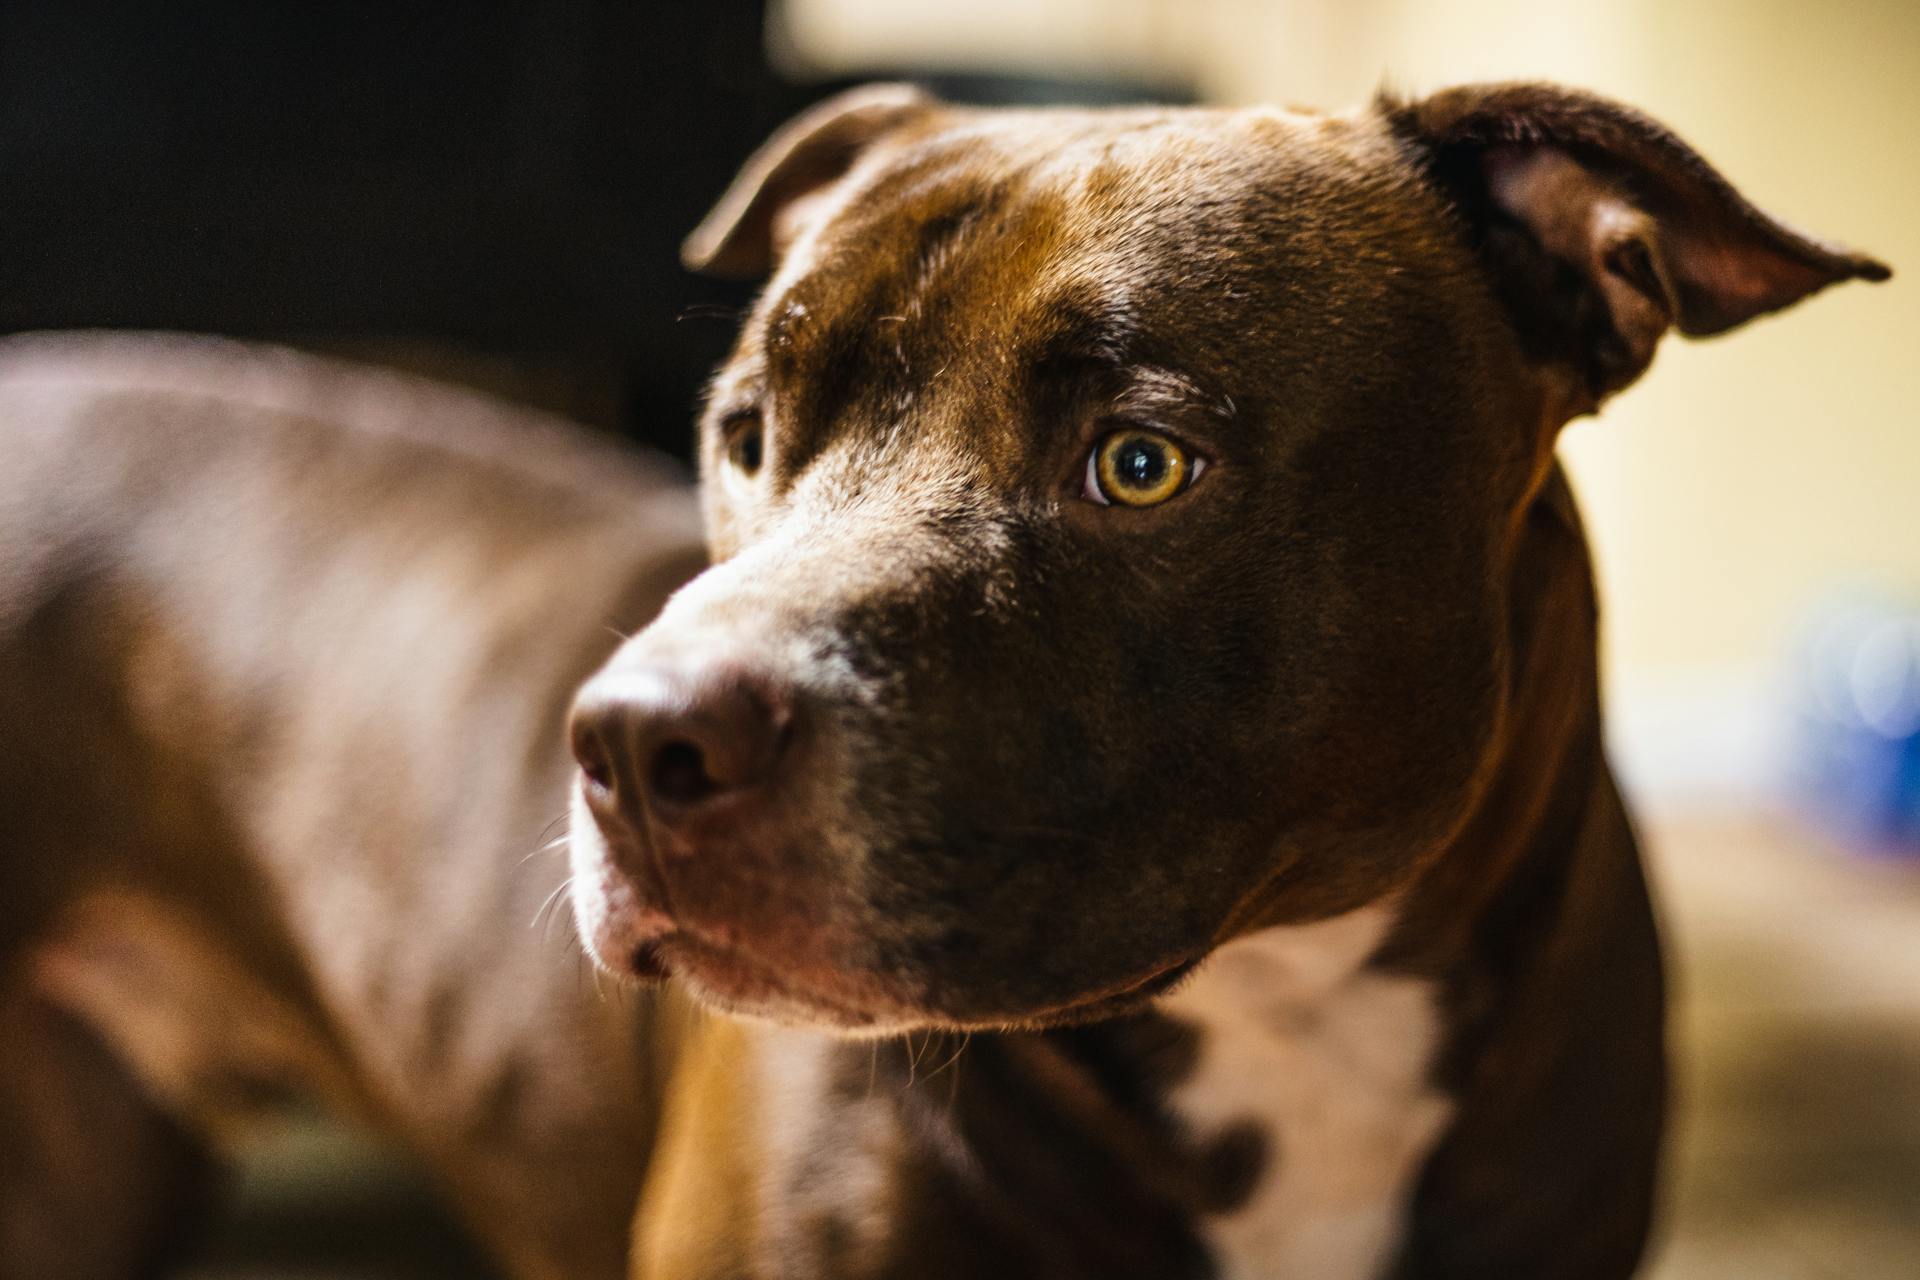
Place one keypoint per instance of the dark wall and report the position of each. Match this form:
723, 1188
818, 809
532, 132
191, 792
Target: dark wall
510, 180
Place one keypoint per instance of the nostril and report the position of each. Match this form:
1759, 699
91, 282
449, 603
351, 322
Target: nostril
596, 764
680, 774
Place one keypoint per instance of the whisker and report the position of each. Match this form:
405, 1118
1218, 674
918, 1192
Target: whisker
966, 1038
552, 898
549, 846
546, 933
953, 1086
914, 1055
544, 833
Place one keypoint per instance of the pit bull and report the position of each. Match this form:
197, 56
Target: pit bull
1126, 798
1144, 697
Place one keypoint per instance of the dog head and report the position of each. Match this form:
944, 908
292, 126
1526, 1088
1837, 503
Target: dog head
1111, 515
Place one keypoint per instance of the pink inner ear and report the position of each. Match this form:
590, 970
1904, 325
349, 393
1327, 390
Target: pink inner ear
1711, 277
1586, 222
1505, 169
1551, 194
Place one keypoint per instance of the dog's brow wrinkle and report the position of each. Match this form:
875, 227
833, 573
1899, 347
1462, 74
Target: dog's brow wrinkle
940, 241
1104, 329
1154, 390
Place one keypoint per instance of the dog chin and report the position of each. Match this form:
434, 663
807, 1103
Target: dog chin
854, 1006
734, 982
787, 1008
858, 1007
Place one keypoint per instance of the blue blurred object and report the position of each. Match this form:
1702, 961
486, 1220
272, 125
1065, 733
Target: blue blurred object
1857, 724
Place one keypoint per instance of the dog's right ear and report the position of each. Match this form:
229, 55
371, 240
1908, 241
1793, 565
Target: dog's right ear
1601, 231
767, 204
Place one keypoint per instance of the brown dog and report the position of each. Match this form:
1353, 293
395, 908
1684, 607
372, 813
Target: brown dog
1140, 545
1150, 631
285, 655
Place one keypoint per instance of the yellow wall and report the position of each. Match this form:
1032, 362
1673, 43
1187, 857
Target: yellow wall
1745, 474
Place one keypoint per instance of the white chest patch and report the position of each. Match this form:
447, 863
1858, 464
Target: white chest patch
1330, 1060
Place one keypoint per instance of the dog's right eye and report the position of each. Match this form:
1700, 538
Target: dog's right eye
1136, 467
745, 437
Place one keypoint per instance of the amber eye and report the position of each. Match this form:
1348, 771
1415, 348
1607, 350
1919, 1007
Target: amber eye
1135, 467
745, 438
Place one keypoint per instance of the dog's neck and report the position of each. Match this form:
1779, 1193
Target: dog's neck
1538, 795
1330, 1040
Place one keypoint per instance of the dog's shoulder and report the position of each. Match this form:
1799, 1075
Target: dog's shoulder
175, 459
195, 390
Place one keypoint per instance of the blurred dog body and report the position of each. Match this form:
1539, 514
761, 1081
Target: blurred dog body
285, 647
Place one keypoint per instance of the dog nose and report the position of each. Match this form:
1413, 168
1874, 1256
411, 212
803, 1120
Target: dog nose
670, 742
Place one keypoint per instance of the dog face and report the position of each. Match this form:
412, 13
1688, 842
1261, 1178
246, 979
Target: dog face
1111, 515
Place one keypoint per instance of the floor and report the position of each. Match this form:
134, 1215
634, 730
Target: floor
1797, 1153
1797, 1141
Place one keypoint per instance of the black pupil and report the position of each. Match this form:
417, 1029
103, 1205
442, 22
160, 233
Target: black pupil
1142, 464
747, 449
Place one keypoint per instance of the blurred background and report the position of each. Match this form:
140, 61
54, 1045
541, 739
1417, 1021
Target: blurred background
493, 193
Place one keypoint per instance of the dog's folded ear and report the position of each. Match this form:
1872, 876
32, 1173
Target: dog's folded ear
745, 234
1602, 230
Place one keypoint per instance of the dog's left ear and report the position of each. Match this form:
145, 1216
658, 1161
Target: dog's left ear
745, 234
1602, 230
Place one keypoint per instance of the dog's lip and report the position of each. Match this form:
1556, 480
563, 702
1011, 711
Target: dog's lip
1117, 997
736, 973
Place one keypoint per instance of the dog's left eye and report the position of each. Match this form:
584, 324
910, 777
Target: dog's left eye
745, 439
1135, 467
